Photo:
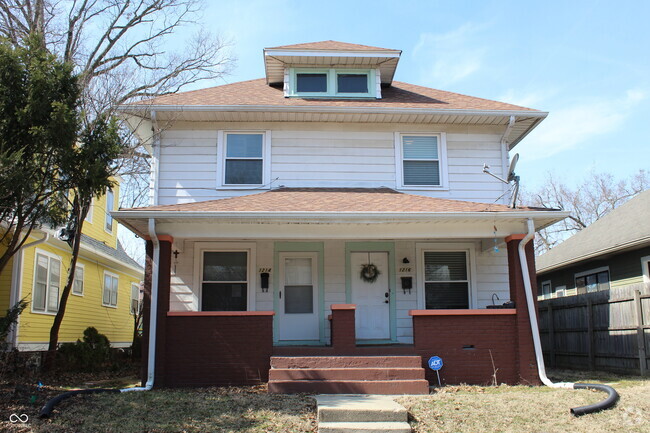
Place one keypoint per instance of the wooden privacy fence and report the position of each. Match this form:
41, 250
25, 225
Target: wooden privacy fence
607, 330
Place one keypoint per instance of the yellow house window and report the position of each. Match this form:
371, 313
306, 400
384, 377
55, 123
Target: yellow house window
111, 284
47, 281
78, 285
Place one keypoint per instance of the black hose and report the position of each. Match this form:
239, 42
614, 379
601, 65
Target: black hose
612, 398
47, 409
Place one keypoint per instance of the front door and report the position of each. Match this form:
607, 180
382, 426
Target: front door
298, 296
372, 298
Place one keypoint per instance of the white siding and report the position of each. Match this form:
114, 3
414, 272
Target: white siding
491, 269
317, 155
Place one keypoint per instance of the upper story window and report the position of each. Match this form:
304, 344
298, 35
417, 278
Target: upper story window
421, 161
78, 284
332, 83
111, 285
110, 199
244, 160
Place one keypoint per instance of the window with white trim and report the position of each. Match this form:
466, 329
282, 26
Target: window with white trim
111, 285
47, 282
545, 289
244, 159
332, 83
89, 215
592, 281
110, 199
420, 160
446, 280
78, 283
224, 281
135, 298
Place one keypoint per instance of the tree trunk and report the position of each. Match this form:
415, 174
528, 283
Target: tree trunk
50, 359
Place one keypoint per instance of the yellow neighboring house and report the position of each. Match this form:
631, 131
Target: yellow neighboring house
106, 286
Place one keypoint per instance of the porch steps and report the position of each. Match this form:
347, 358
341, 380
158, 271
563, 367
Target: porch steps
362, 414
347, 375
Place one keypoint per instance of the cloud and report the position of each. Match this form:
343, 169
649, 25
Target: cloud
449, 57
573, 126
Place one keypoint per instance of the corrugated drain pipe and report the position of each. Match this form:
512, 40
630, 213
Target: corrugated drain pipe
612, 397
151, 359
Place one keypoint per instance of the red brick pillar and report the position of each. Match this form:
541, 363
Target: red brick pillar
343, 329
164, 278
526, 363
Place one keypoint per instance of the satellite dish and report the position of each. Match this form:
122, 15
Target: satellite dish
511, 170
511, 177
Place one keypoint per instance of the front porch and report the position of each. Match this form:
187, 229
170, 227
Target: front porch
213, 348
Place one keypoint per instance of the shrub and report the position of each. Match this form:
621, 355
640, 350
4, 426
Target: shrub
88, 355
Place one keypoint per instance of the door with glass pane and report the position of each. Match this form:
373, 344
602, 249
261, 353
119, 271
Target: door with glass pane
298, 297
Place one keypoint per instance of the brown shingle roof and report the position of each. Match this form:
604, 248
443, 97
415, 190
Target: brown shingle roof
330, 45
338, 200
399, 95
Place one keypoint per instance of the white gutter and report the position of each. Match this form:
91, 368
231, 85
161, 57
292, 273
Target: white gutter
16, 283
530, 301
332, 109
153, 312
339, 216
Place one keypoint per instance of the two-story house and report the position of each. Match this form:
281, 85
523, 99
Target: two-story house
328, 210
105, 290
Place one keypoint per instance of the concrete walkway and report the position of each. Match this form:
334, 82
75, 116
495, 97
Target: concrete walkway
343, 413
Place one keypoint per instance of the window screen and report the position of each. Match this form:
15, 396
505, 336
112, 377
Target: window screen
446, 280
421, 164
244, 159
298, 286
352, 83
311, 83
225, 281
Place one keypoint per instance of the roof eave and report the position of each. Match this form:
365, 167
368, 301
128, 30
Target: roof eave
594, 254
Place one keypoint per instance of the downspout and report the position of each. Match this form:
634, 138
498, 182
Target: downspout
612, 397
504, 150
153, 311
16, 283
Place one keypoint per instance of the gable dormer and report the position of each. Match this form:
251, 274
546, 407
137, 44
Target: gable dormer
330, 69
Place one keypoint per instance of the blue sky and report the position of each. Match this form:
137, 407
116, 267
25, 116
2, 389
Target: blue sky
585, 62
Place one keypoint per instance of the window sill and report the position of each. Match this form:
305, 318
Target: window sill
81, 295
109, 306
243, 187
45, 313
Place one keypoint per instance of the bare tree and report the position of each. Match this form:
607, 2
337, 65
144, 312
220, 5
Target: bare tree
121, 51
596, 196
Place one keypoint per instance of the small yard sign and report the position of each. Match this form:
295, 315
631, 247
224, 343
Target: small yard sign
435, 364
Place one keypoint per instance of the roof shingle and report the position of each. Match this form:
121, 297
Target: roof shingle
333, 200
330, 45
399, 95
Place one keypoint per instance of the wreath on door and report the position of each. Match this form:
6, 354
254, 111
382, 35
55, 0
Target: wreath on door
369, 272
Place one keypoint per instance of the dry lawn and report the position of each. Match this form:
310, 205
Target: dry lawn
450, 409
532, 409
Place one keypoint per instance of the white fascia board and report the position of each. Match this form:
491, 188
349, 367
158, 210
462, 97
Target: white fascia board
342, 216
333, 109
331, 53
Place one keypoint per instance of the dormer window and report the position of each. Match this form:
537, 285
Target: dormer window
332, 83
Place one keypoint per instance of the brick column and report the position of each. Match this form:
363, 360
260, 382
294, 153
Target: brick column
164, 278
527, 365
343, 329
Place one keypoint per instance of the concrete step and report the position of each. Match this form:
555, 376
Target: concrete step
371, 408
346, 362
364, 427
382, 387
346, 374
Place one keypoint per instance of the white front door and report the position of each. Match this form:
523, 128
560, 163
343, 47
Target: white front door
298, 296
371, 298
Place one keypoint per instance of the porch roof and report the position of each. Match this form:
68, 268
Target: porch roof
331, 206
